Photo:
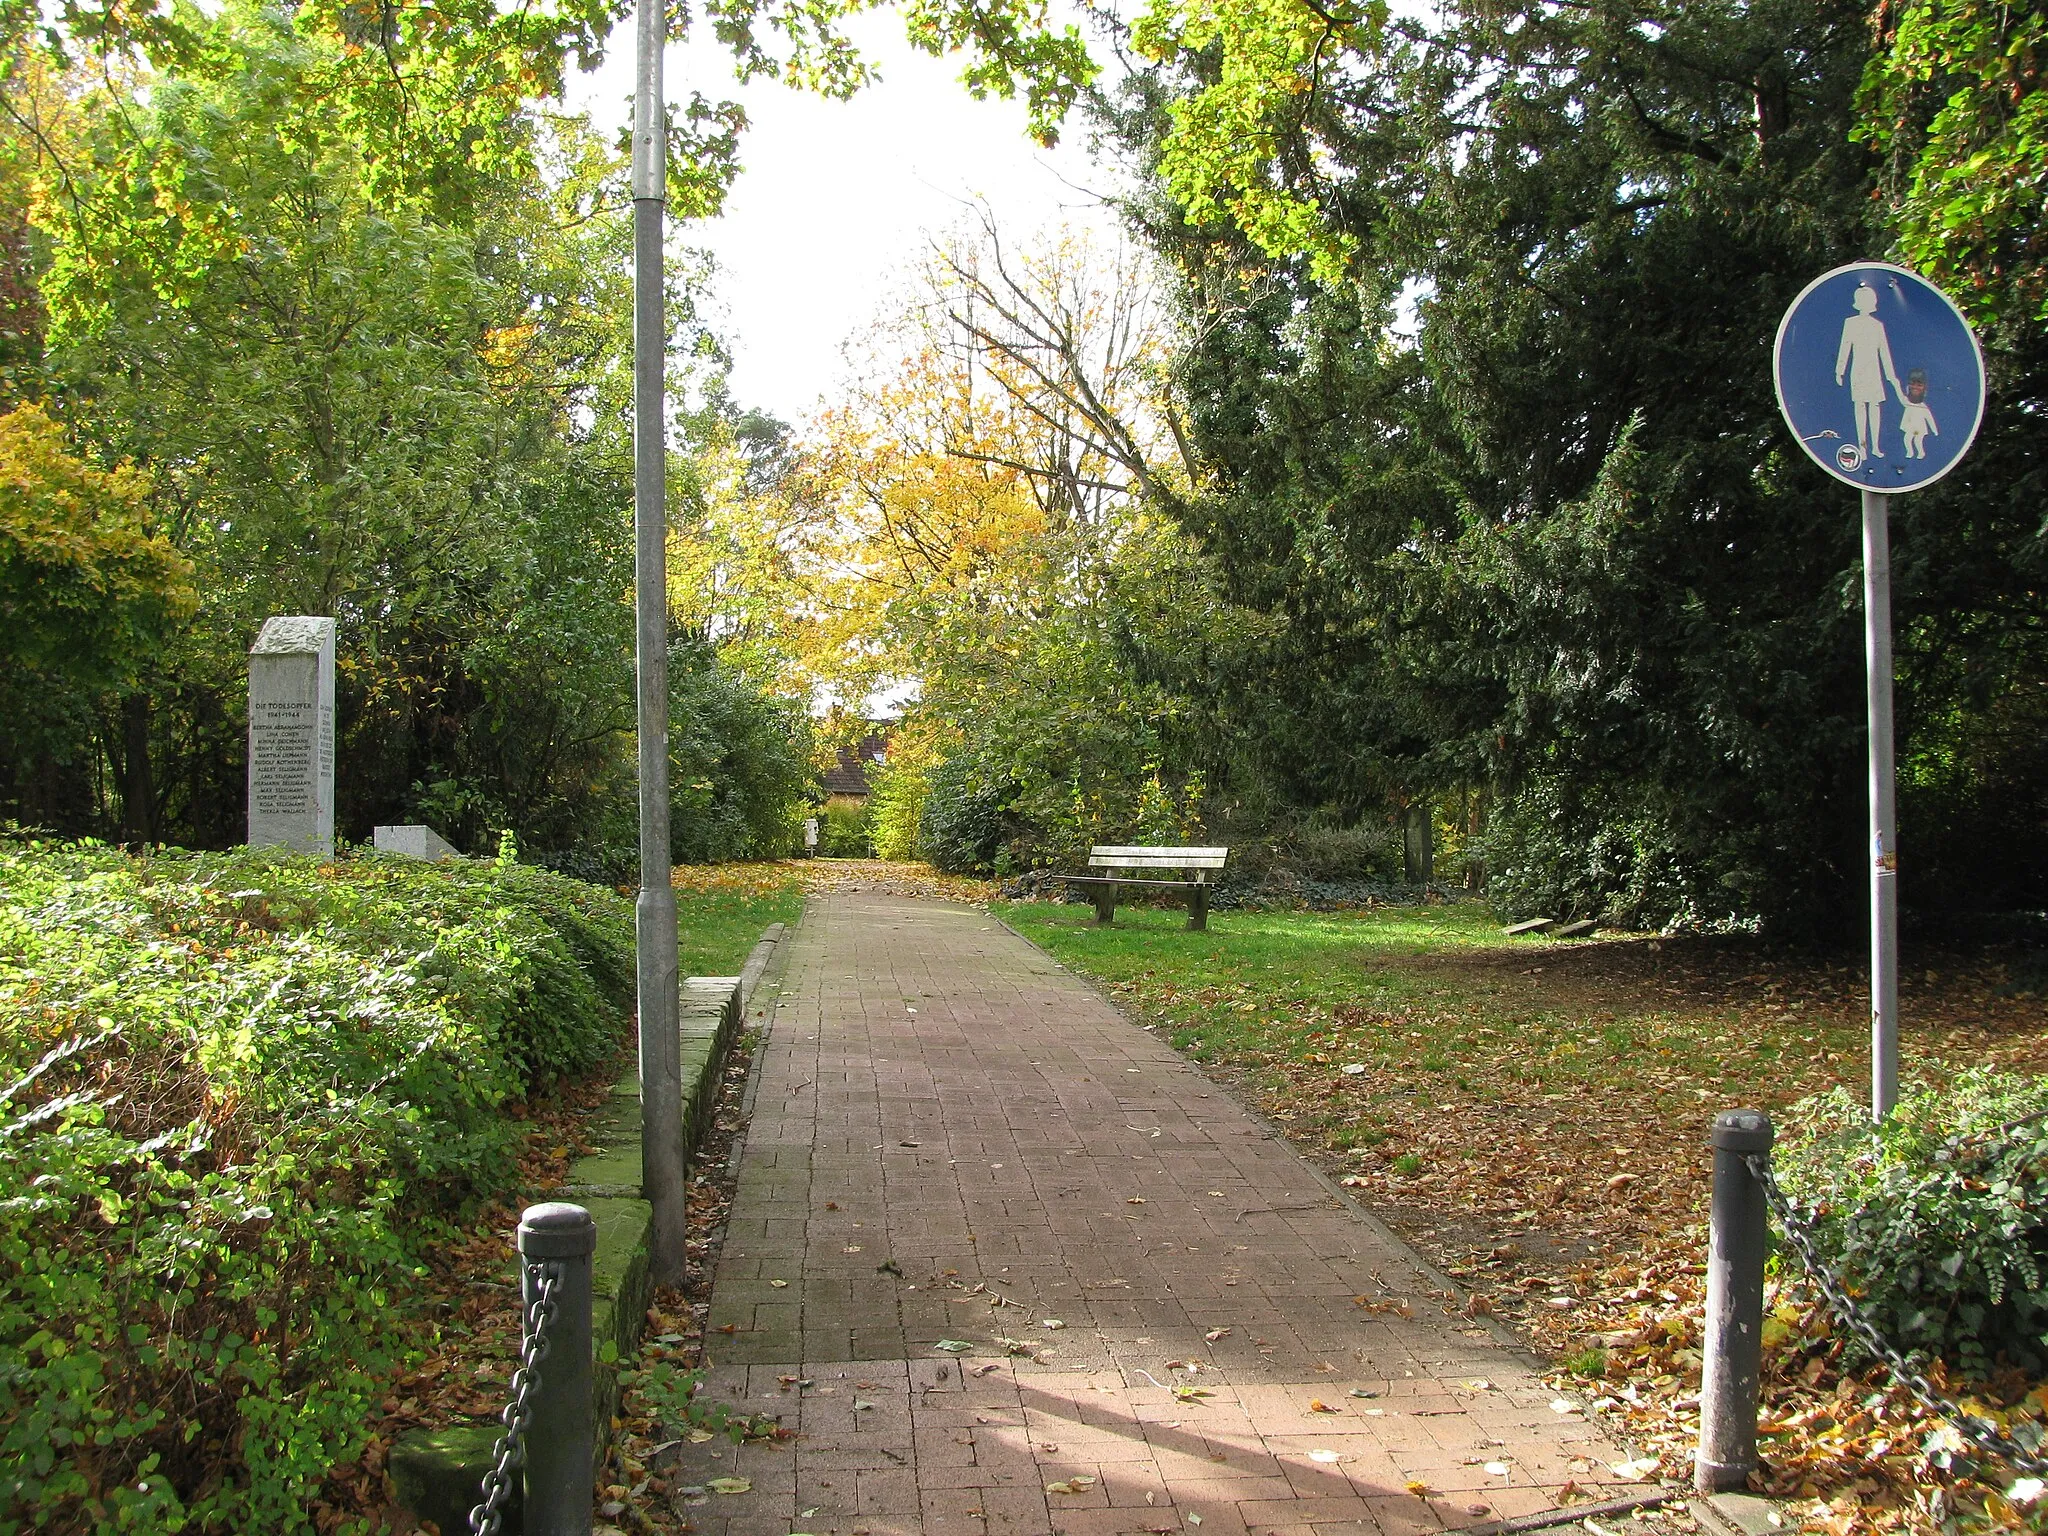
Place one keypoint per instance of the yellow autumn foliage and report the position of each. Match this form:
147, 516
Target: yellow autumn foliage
85, 586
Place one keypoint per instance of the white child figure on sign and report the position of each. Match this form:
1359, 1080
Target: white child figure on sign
1866, 356
1917, 422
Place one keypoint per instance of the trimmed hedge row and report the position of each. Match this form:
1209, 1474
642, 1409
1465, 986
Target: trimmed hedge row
239, 1094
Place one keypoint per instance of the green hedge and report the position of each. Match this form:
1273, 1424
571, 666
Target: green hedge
1938, 1219
239, 1095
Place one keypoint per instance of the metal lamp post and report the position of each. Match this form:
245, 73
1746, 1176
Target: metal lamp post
661, 1088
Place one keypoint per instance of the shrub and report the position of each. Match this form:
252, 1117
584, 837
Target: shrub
239, 1095
845, 834
1561, 851
968, 816
740, 763
1938, 1218
901, 787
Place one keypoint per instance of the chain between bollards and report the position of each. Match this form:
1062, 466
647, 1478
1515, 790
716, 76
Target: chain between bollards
549, 1424
1746, 1194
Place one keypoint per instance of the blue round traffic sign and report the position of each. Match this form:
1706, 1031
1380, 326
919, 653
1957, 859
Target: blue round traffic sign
1879, 377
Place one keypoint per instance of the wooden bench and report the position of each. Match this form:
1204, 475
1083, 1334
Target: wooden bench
1112, 858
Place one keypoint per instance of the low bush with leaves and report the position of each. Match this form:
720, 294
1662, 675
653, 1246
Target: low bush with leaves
1938, 1217
239, 1095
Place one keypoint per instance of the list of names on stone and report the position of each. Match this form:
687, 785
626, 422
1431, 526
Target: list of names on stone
282, 741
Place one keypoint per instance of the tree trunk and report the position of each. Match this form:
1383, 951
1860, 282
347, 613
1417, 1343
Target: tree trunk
138, 784
1418, 848
1475, 824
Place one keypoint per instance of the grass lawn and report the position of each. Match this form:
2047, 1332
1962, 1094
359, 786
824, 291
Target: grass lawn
1532, 1112
721, 910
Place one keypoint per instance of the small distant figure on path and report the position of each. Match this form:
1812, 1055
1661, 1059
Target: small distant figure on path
1918, 420
1866, 356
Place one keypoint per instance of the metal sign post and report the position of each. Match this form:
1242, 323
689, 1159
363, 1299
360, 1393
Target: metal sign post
1882, 382
661, 1068
1884, 824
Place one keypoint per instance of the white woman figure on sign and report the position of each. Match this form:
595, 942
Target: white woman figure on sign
1866, 356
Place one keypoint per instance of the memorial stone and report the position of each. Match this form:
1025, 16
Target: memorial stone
291, 735
414, 841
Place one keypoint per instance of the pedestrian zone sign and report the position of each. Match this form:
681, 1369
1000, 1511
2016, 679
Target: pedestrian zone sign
1879, 377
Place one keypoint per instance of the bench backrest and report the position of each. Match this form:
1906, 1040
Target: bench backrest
1111, 856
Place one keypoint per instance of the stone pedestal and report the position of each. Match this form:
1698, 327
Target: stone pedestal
291, 735
414, 841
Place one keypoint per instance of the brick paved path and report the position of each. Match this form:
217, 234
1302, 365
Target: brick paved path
939, 1098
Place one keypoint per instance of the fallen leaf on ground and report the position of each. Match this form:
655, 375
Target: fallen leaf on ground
1053, 1323
1317, 1405
1417, 1487
1323, 1456
1215, 1333
731, 1485
955, 1346
780, 1285
1071, 1485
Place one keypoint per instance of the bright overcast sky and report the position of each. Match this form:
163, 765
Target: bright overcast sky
835, 199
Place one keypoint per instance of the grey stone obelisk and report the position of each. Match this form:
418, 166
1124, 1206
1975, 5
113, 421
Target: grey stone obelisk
291, 735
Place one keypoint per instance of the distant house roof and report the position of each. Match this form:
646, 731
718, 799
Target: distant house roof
849, 775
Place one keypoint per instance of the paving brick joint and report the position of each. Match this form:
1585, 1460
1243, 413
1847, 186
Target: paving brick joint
955, 1139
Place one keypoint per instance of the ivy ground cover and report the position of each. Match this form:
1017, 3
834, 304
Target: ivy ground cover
249, 1102
1532, 1114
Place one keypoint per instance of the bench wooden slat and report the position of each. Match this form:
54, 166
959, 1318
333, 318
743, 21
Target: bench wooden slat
1124, 880
1110, 856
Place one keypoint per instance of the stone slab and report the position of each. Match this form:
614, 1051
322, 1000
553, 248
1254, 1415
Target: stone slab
438, 1475
414, 841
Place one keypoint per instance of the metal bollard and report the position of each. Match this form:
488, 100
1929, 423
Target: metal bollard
561, 1445
1732, 1372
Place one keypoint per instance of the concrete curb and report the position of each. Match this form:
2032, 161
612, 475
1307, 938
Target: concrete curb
437, 1473
1740, 1514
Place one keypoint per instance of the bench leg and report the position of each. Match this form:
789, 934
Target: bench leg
1105, 904
1198, 908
